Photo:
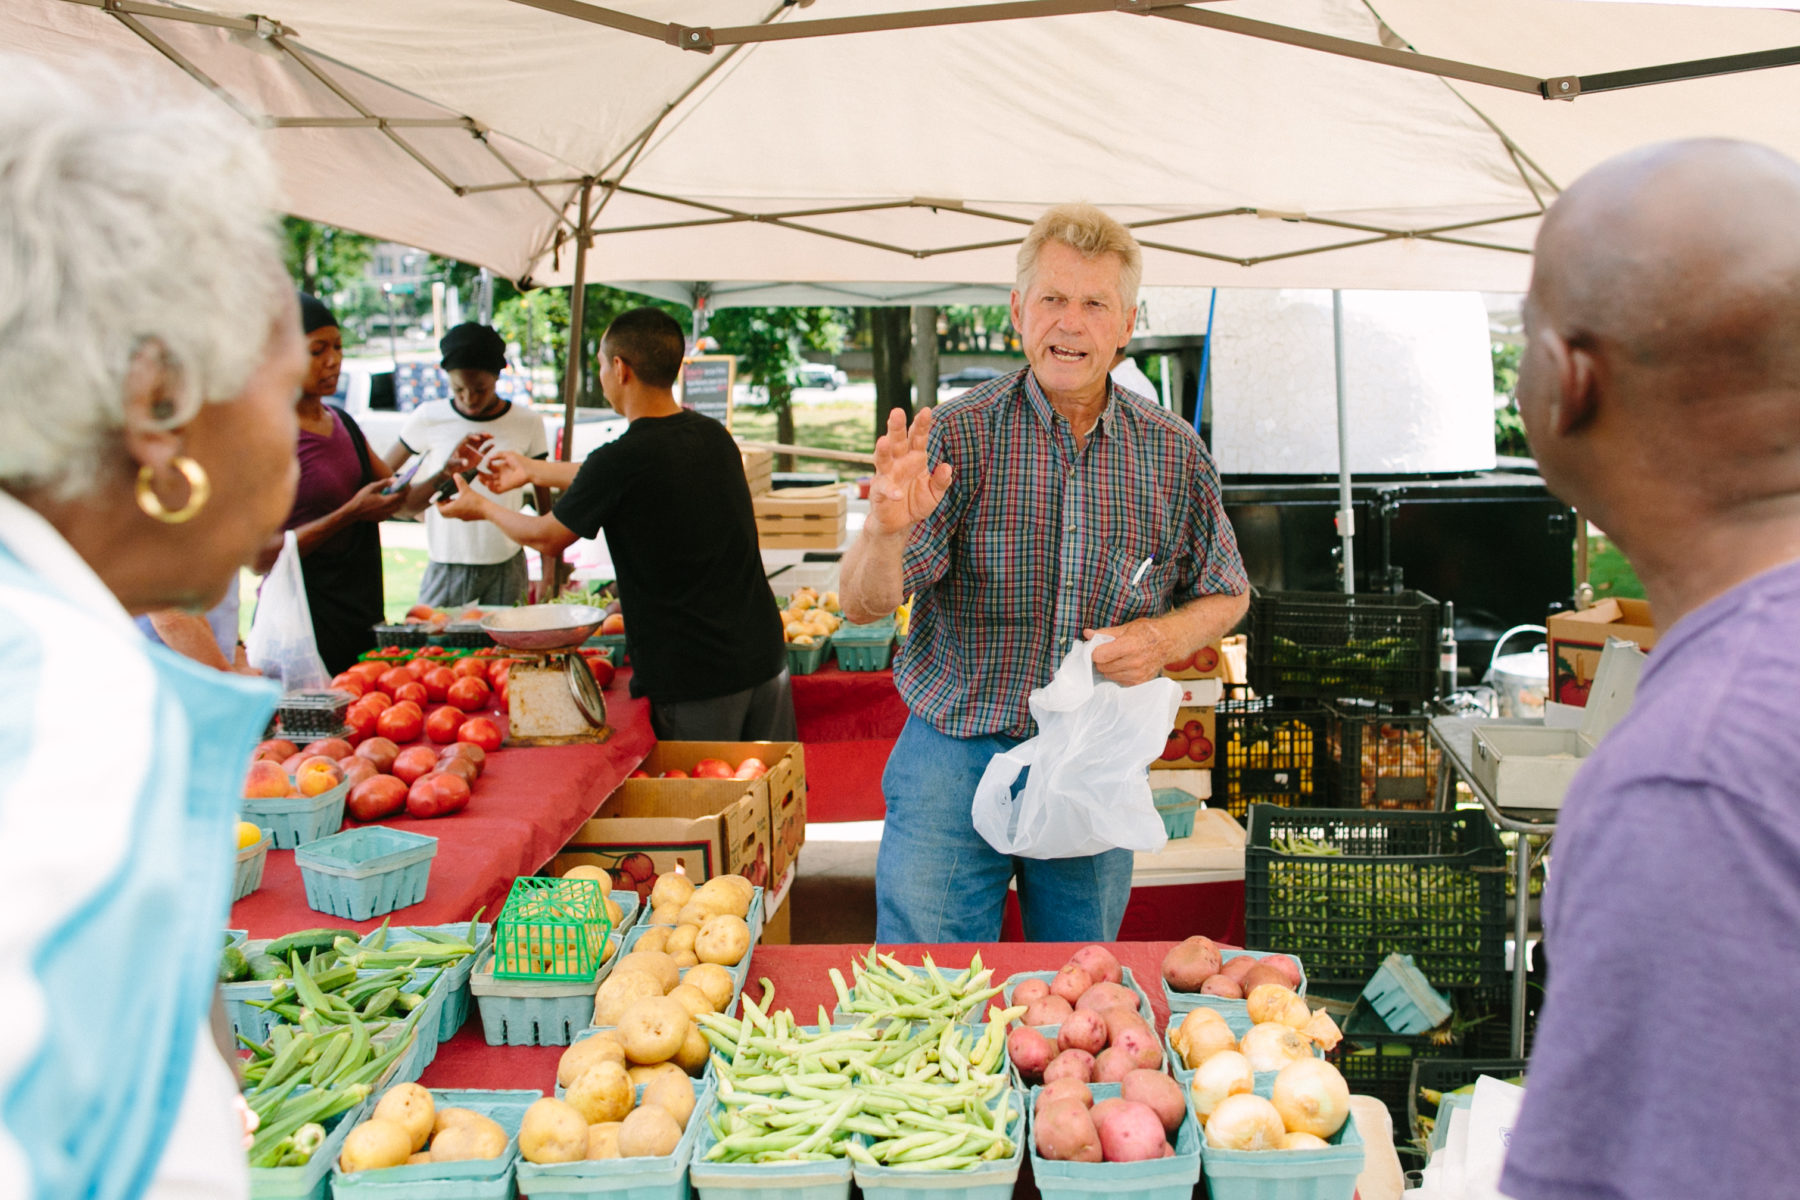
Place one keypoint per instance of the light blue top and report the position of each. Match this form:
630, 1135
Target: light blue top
117, 815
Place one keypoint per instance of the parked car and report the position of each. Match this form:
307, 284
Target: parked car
968, 377
820, 375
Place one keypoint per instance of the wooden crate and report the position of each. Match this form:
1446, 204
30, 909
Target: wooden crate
812, 518
828, 500
800, 533
759, 470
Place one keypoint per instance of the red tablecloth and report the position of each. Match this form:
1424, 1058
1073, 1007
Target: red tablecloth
848, 721
527, 804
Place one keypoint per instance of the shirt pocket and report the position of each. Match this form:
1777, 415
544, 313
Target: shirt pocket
1128, 589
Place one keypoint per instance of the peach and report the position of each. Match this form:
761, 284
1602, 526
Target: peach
276, 749
267, 781
317, 776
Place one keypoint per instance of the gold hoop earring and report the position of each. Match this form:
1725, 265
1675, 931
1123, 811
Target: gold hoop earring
199, 492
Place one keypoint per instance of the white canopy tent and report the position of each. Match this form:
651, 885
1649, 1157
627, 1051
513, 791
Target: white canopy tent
859, 151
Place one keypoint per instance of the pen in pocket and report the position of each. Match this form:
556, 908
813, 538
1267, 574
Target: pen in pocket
1138, 575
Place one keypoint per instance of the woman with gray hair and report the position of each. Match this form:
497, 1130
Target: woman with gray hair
152, 354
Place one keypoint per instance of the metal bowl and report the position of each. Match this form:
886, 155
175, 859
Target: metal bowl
543, 626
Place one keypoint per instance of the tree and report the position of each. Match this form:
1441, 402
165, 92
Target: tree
890, 346
768, 342
323, 258
1509, 426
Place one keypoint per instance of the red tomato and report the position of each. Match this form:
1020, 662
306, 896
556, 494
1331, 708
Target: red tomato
373, 799
376, 700
400, 724
498, 668
432, 652
437, 683
468, 750
640, 773
412, 706
602, 670
353, 684
414, 763
416, 692
677, 773
470, 668
470, 694
328, 747
437, 795
362, 719
356, 770
379, 751
463, 768
368, 672
480, 731
712, 768
442, 724
392, 679
750, 768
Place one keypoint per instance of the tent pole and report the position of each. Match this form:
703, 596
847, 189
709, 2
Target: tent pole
1346, 517
556, 571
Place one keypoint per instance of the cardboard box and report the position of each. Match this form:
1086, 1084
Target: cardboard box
1207, 740
1196, 783
1531, 766
1577, 638
1201, 693
1208, 662
782, 790
647, 828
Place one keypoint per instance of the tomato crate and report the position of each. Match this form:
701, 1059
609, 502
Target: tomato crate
1343, 889
1272, 752
1386, 758
1374, 646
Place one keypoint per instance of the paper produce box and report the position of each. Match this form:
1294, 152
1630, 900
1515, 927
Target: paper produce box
648, 827
783, 788
1577, 638
1208, 662
1531, 766
1191, 742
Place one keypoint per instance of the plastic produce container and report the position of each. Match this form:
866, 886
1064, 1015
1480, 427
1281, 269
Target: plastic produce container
1177, 809
984, 1181
1157, 1179
1328, 1174
1376, 646
1185, 1002
532, 1014
660, 1178
478, 1179
1272, 752
1402, 997
250, 862
410, 637
365, 872
293, 821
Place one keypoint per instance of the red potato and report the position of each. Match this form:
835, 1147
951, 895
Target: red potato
373, 799
1082, 1031
1286, 965
1071, 1064
1161, 1094
1133, 1133
1234, 968
1071, 982
1104, 996
1064, 1132
1113, 1065
1030, 1051
1190, 964
1028, 992
1260, 974
1224, 986
1141, 1046
436, 795
381, 752
1050, 1010
1065, 1089
1104, 1110
1099, 963
1122, 1018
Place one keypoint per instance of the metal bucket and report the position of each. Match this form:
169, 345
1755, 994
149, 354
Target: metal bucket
1520, 681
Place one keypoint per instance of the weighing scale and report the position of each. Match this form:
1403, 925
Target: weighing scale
552, 698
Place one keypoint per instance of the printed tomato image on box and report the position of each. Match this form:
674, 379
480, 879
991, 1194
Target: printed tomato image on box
1208, 662
1577, 639
1190, 743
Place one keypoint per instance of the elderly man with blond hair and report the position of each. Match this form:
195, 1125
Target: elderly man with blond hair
1045, 507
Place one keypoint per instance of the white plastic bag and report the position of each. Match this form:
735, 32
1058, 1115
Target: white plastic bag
1089, 787
281, 643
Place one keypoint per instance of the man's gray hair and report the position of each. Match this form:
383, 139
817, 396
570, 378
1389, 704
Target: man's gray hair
130, 222
1084, 228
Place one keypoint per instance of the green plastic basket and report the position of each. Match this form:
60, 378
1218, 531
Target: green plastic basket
551, 931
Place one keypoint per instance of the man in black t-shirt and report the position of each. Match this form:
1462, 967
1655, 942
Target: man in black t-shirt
702, 626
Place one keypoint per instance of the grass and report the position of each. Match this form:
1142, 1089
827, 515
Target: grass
401, 572
1610, 571
839, 425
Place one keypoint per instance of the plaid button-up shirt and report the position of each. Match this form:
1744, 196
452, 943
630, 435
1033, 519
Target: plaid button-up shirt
1037, 540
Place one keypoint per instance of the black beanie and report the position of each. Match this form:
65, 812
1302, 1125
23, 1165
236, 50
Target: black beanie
473, 345
314, 315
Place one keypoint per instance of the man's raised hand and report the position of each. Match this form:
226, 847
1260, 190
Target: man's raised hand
905, 489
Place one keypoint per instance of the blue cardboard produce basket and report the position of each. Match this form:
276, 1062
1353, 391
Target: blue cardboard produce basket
476, 1179
660, 1178
1183, 1002
1328, 1174
362, 873
293, 821
1155, 1179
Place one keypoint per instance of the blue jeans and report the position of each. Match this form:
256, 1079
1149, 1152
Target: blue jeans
937, 880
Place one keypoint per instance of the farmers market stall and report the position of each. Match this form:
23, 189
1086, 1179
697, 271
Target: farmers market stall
848, 721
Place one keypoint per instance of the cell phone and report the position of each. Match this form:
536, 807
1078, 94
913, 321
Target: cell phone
447, 488
400, 482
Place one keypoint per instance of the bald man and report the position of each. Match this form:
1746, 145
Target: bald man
1661, 392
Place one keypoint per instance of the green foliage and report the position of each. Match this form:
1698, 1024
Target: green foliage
323, 258
1509, 427
768, 343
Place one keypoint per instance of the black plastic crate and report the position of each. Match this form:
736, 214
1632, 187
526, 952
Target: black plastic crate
1447, 1075
1324, 645
407, 636
1343, 889
1376, 1061
464, 636
1386, 759
1492, 1038
1271, 753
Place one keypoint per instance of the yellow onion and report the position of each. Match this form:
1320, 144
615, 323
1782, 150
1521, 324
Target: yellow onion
1323, 1030
1270, 1047
1224, 1074
1292, 1140
1273, 1003
1311, 1097
1201, 1039
1244, 1122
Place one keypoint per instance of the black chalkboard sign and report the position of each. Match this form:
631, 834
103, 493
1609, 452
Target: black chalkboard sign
706, 385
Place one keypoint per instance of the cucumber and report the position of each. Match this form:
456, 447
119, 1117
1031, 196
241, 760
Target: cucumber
307, 942
267, 966
233, 966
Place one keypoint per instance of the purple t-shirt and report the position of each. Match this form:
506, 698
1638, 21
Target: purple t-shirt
1665, 1060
